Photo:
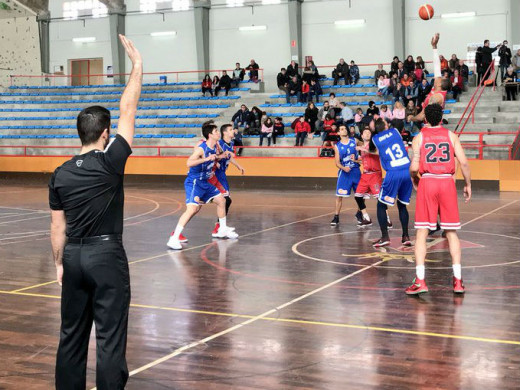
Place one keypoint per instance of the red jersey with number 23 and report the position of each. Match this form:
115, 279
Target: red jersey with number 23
437, 154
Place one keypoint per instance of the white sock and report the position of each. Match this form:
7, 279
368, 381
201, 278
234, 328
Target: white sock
366, 217
222, 222
419, 270
457, 271
177, 232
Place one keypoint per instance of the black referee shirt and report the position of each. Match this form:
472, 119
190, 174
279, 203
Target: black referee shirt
89, 188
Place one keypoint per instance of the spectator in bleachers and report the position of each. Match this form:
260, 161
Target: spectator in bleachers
292, 69
457, 84
255, 118
463, 71
505, 59
382, 85
334, 103
358, 118
510, 80
398, 112
516, 61
282, 80
278, 129
385, 113
238, 74
393, 83
405, 134
223, 84
419, 63
310, 72
237, 139
207, 85
410, 110
327, 125
305, 92
424, 90
453, 63
419, 68
341, 72
215, 82
253, 71
315, 90
379, 72
346, 115
409, 65
400, 70
301, 129
394, 65
294, 89
311, 116
400, 93
406, 81
332, 137
241, 117
354, 73
322, 115
266, 131
444, 64
372, 109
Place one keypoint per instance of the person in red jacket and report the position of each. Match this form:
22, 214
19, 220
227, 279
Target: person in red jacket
305, 92
457, 83
207, 85
301, 129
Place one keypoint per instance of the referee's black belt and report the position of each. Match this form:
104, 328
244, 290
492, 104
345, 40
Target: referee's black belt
95, 239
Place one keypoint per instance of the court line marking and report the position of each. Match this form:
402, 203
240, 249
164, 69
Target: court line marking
247, 322
26, 219
295, 321
488, 213
34, 286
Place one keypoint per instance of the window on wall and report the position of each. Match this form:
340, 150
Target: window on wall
76, 9
153, 5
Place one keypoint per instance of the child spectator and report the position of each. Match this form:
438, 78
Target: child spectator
305, 92
301, 129
354, 73
278, 129
267, 131
382, 86
207, 85
315, 90
385, 113
334, 103
358, 118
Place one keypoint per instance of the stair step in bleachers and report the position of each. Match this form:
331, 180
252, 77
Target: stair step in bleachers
95, 93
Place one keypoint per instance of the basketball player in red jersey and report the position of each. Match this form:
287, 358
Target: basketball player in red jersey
440, 86
371, 179
435, 151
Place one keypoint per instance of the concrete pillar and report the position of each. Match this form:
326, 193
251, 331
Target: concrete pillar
201, 13
117, 26
295, 30
398, 18
514, 17
43, 19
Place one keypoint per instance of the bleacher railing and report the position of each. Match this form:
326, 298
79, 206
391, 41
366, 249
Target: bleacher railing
162, 151
52, 80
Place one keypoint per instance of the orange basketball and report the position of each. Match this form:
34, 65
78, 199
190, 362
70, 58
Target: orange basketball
426, 12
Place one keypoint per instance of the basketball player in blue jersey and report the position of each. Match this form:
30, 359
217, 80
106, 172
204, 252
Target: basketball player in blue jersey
198, 190
226, 152
349, 172
397, 185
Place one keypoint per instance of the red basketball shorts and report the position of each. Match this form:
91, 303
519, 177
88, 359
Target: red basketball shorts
437, 197
369, 184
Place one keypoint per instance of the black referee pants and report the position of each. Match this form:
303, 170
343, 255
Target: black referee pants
96, 287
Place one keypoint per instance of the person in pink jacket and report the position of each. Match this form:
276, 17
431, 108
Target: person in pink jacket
398, 112
385, 113
267, 131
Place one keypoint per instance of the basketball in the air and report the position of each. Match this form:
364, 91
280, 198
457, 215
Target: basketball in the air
426, 12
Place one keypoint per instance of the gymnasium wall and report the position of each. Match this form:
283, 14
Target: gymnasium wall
326, 42
19, 47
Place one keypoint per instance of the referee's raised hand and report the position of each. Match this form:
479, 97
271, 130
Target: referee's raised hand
131, 94
130, 49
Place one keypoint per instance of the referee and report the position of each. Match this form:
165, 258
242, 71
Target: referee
86, 199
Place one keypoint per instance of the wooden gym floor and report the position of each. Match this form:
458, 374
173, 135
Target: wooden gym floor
293, 303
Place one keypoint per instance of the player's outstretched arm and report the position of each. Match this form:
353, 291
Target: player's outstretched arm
464, 166
130, 97
436, 59
236, 164
198, 158
414, 166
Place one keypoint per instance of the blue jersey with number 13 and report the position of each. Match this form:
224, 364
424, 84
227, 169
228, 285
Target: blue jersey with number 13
392, 152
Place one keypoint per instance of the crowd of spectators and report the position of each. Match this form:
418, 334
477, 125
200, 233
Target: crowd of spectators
226, 82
